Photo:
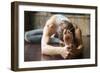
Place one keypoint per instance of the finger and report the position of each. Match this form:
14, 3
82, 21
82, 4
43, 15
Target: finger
68, 31
64, 32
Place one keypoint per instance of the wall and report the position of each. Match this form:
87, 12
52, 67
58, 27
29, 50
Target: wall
36, 20
5, 37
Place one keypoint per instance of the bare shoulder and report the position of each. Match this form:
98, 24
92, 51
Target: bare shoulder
49, 28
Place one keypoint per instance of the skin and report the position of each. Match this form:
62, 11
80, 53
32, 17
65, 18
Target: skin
49, 30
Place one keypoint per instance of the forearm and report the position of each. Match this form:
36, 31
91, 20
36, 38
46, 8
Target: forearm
51, 50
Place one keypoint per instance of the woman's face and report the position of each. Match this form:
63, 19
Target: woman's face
60, 31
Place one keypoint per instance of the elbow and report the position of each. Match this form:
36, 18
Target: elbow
43, 49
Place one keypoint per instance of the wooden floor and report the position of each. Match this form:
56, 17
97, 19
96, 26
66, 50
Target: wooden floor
32, 52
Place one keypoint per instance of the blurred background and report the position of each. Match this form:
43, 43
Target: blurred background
37, 20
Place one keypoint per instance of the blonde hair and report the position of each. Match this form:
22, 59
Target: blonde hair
60, 18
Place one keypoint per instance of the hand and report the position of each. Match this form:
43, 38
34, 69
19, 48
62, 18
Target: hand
64, 52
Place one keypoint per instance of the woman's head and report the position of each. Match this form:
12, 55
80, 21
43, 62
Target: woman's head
65, 25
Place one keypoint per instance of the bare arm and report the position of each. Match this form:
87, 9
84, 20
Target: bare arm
49, 49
